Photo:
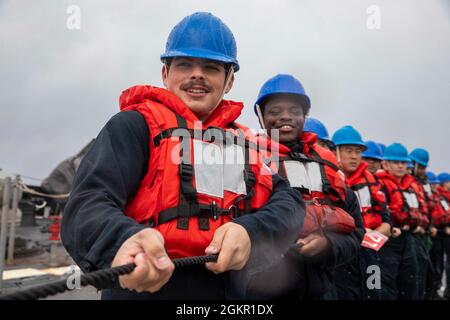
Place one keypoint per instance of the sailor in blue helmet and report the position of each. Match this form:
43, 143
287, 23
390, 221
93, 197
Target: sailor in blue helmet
419, 162
373, 156
308, 273
443, 190
140, 197
440, 216
316, 126
351, 279
406, 205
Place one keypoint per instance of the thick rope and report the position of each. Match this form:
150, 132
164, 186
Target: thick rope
99, 279
26, 189
102, 278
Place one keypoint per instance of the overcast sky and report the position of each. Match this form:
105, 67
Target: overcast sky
58, 86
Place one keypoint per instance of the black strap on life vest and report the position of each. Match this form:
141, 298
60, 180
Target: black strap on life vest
373, 202
210, 211
227, 136
303, 158
326, 185
405, 206
187, 203
359, 186
282, 169
249, 175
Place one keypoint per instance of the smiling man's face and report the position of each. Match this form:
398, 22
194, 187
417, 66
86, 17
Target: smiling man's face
285, 113
199, 83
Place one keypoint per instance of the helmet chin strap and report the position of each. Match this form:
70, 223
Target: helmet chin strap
260, 118
338, 155
166, 69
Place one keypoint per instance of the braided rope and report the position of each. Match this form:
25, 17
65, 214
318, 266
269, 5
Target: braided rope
27, 189
101, 278
98, 279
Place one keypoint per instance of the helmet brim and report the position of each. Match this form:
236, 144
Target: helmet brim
351, 143
305, 102
418, 161
402, 159
201, 54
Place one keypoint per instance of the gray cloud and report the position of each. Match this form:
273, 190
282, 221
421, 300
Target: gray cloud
58, 87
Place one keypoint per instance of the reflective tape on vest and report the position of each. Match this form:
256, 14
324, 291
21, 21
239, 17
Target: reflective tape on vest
304, 175
364, 198
427, 189
234, 166
218, 168
445, 204
411, 199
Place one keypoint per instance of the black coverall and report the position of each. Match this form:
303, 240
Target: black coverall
351, 279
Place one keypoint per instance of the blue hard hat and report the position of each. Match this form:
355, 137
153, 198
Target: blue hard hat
373, 151
348, 135
444, 177
432, 178
202, 35
396, 152
421, 156
382, 146
283, 83
317, 127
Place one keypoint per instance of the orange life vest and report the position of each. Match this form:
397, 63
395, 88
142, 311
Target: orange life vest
315, 173
372, 200
405, 200
425, 188
184, 196
440, 212
443, 192
411, 186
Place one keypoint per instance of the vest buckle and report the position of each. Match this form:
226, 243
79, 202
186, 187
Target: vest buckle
214, 211
233, 211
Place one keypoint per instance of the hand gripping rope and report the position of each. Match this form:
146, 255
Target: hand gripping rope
102, 278
99, 279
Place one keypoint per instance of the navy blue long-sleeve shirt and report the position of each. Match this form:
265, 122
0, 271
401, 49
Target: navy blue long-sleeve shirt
300, 277
94, 225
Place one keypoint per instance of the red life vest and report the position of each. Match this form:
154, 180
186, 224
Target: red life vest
183, 196
425, 188
372, 200
427, 198
315, 173
411, 186
439, 210
443, 192
405, 200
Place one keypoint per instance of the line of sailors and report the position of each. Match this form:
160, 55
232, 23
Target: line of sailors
405, 227
365, 231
